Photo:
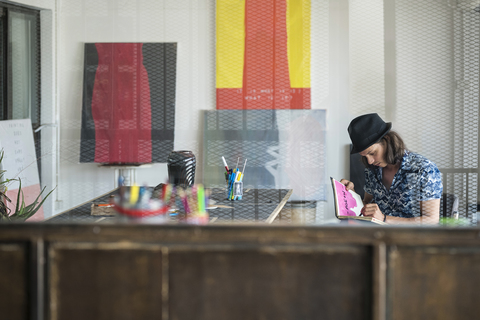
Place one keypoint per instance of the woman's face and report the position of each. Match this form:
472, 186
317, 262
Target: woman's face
375, 155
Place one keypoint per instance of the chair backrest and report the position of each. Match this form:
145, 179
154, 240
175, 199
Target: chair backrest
450, 205
357, 172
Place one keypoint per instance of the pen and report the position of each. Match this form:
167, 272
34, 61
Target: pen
225, 163
232, 182
244, 165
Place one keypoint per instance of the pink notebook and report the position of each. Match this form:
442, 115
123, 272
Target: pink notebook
348, 203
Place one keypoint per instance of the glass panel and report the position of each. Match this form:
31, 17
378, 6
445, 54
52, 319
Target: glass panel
24, 68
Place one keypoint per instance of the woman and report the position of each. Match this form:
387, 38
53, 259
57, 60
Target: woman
400, 186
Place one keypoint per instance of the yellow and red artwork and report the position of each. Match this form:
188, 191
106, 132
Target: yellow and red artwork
263, 54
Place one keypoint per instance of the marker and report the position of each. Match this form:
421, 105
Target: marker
230, 186
207, 198
183, 197
201, 198
168, 192
225, 163
164, 191
121, 181
191, 203
134, 190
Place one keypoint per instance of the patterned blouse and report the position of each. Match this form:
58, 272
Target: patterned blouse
417, 179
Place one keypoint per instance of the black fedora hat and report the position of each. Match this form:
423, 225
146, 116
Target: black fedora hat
366, 130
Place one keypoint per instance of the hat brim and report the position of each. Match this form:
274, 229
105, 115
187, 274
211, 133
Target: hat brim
389, 127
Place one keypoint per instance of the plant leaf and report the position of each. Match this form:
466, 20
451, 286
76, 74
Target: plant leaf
18, 194
22, 208
36, 200
38, 207
19, 212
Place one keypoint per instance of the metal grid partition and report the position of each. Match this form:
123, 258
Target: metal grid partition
367, 68
421, 72
437, 72
415, 62
188, 23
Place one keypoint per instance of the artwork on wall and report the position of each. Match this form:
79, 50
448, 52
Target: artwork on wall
285, 149
128, 113
263, 54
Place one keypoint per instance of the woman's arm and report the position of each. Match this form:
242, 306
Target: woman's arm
429, 213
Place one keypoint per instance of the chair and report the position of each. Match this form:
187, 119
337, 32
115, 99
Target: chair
450, 206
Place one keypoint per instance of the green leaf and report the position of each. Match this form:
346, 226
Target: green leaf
22, 208
22, 211
38, 207
19, 212
18, 194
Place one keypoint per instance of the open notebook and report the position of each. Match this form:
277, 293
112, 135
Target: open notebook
348, 203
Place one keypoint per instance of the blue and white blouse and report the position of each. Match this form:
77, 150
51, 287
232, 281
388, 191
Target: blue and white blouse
417, 179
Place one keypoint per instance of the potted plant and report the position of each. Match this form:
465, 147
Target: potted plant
22, 211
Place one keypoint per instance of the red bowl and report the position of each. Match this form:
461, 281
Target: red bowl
140, 213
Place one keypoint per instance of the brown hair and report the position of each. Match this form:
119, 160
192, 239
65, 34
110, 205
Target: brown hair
394, 149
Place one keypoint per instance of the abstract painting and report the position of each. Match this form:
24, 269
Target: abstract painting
263, 54
128, 113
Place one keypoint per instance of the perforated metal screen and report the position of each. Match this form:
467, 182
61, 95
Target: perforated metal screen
414, 62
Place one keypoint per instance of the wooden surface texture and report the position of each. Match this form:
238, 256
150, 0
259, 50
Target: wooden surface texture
13, 281
238, 272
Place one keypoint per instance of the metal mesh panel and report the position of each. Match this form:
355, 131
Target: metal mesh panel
424, 66
434, 70
288, 153
320, 53
189, 23
367, 85
416, 63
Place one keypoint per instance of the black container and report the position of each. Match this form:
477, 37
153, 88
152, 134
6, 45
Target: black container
181, 168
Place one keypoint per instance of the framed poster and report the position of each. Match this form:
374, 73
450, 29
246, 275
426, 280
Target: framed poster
20, 162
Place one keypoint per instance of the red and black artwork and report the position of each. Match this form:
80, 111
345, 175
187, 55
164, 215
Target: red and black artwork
128, 114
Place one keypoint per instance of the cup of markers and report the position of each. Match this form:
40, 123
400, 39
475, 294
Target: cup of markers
137, 202
234, 179
195, 201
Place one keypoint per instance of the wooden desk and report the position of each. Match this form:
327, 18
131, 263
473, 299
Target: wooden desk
257, 205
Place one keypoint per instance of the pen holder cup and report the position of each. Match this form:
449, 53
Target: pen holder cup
235, 190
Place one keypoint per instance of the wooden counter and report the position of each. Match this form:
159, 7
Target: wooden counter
52, 271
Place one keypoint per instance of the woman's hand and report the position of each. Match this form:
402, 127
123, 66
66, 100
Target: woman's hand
348, 184
372, 210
